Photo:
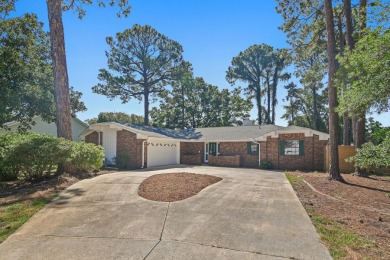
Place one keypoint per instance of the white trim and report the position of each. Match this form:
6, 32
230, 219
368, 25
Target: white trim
206, 153
143, 154
178, 153
254, 141
117, 126
306, 132
162, 139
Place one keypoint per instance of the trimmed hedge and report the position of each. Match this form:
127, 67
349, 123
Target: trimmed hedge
33, 156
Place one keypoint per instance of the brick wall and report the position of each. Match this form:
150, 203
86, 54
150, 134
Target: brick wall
319, 153
239, 148
93, 138
313, 158
189, 148
226, 161
129, 145
192, 159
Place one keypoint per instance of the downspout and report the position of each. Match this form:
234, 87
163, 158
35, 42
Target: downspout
143, 154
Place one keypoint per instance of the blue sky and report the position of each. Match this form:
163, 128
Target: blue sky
211, 33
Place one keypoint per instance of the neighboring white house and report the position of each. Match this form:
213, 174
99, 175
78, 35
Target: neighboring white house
43, 127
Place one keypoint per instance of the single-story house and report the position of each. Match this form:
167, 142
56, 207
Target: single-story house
43, 127
287, 148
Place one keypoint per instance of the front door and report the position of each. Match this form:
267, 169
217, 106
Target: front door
211, 149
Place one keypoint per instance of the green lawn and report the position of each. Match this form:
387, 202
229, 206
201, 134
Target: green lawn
14, 215
293, 179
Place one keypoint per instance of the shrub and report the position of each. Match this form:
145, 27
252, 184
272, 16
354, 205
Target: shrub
30, 155
373, 156
265, 164
40, 153
33, 156
8, 171
122, 161
86, 157
37, 154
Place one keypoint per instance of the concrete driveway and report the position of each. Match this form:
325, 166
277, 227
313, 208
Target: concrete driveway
250, 214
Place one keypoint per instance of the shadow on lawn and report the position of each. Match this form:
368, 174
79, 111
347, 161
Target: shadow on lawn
366, 187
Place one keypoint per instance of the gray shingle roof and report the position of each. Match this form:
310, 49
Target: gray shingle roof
156, 132
234, 133
228, 133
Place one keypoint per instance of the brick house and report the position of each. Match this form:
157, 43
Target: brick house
287, 148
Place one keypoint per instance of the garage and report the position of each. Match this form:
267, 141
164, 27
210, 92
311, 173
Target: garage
162, 152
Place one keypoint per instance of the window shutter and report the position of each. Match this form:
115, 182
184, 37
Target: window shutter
301, 147
248, 148
282, 145
257, 149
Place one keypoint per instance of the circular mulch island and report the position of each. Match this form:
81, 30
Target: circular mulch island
170, 187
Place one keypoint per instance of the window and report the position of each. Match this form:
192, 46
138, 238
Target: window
291, 147
253, 148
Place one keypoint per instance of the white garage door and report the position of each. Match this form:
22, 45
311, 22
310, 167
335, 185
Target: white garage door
163, 153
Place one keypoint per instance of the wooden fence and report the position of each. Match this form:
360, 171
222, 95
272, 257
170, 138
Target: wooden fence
345, 151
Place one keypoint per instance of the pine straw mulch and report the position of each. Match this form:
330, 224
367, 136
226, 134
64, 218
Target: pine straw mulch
360, 205
171, 187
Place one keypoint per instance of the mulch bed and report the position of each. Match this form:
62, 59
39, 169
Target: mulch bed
174, 186
361, 205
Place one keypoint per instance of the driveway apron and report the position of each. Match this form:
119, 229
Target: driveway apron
250, 214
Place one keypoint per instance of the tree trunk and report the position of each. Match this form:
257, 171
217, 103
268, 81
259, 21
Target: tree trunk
268, 115
292, 112
360, 123
60, 72
346, 137
334, 172
346, 126
359, 119
182, 108
274, 87
348, 24
146, 106
258, 102
362, 15
354, 121
359, 141
315, 112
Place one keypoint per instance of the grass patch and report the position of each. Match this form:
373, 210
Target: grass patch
337, 238
15, 215
293, 179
